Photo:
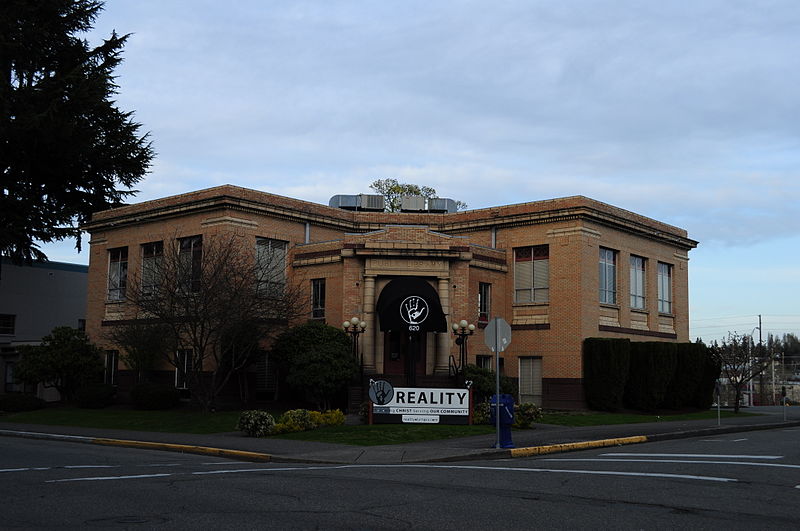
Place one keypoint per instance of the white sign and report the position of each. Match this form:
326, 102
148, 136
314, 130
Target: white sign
414, 311
420, 419
497, 334
425, 401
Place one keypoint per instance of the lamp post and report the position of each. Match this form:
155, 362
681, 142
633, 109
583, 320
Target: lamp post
355, 327
462, 330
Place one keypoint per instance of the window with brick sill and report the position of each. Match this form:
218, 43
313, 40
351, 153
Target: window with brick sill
484, 302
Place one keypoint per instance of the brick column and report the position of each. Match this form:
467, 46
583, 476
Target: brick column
443, 340
368, 345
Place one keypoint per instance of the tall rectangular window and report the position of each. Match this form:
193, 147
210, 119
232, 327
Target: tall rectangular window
190, 261
271, 264
110, 373
11, 384
608, 276
484, 301
183, 364
664, 288
637, 282
530, 379
152, 256
117, 273
532, 274
318, 298
8, 324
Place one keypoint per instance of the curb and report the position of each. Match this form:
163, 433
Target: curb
241, 455
569, 447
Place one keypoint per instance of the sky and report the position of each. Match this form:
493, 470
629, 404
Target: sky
685, 112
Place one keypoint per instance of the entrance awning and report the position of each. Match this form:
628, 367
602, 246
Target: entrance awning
410, 303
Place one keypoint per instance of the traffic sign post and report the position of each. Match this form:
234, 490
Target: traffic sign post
497, 336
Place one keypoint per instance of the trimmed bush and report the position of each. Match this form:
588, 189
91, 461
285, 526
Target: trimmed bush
327, 418
95, 396
295, 420
606, 363
688, 373
153, 396
651, 371
12, 403
256, 423
704, 396
525, 415
480, 414
483, 383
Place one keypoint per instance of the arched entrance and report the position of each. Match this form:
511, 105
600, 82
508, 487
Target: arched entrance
408, 308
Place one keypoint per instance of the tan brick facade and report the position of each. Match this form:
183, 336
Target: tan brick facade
359, 253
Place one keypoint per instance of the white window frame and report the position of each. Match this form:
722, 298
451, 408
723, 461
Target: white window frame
608, 276
532, 274
271, 263
638, 284
117, 273
665, 288
152, 258
530, 379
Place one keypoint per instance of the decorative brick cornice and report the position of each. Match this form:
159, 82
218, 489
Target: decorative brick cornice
636, 332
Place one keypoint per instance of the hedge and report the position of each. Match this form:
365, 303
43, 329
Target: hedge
652, 368
605, 371
688, 373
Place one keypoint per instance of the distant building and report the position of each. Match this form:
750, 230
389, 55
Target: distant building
34, 299
558, 271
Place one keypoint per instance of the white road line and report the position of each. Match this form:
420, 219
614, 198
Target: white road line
450, 467
738, 440
745, 463
107, 478
91, 466
619, 454
22, 469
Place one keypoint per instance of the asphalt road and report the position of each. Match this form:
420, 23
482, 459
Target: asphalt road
737, 481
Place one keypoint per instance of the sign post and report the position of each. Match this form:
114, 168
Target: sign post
497, 336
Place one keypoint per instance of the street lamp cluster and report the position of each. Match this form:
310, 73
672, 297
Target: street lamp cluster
355, 327
462, 330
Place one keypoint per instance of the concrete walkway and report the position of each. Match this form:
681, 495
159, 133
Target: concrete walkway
542, 439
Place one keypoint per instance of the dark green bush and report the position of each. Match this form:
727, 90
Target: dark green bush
13, 402
154, 396
704, 396
95, 396
605, 372
688, 373
484, 384
651, 371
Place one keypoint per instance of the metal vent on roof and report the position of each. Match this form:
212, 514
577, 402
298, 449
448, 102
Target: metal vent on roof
441, 205
366, 202
412, 203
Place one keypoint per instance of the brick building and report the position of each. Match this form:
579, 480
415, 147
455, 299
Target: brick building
558, 271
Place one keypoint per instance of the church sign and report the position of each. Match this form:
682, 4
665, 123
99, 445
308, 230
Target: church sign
418, 405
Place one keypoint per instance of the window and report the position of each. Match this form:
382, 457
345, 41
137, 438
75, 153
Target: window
318, 298
271, 264
530, 380
608, 276
183, 364
664, 288
110, 373
637, 282
487, 362
82, 325
152, 255
11, 385
190, 262
532, 274
484, 302
8, 324
117, 273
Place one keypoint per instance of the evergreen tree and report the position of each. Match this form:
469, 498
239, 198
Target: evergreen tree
66, 150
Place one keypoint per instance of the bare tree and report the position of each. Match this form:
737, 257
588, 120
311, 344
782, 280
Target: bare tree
221, 300
741, 362
142, 344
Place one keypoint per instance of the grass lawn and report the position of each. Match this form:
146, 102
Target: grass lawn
185, 420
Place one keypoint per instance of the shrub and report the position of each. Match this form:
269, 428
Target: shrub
605, 372
704, 396
327, 418
526, 414
256, 423
96, 396
652, 369
480, 414
12, 403
151, 396
484, 383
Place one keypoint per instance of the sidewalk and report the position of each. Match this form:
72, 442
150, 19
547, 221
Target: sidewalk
542, 439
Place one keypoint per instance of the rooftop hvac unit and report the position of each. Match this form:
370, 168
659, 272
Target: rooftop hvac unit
371, 203
412, 203
347, 202
441, 205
